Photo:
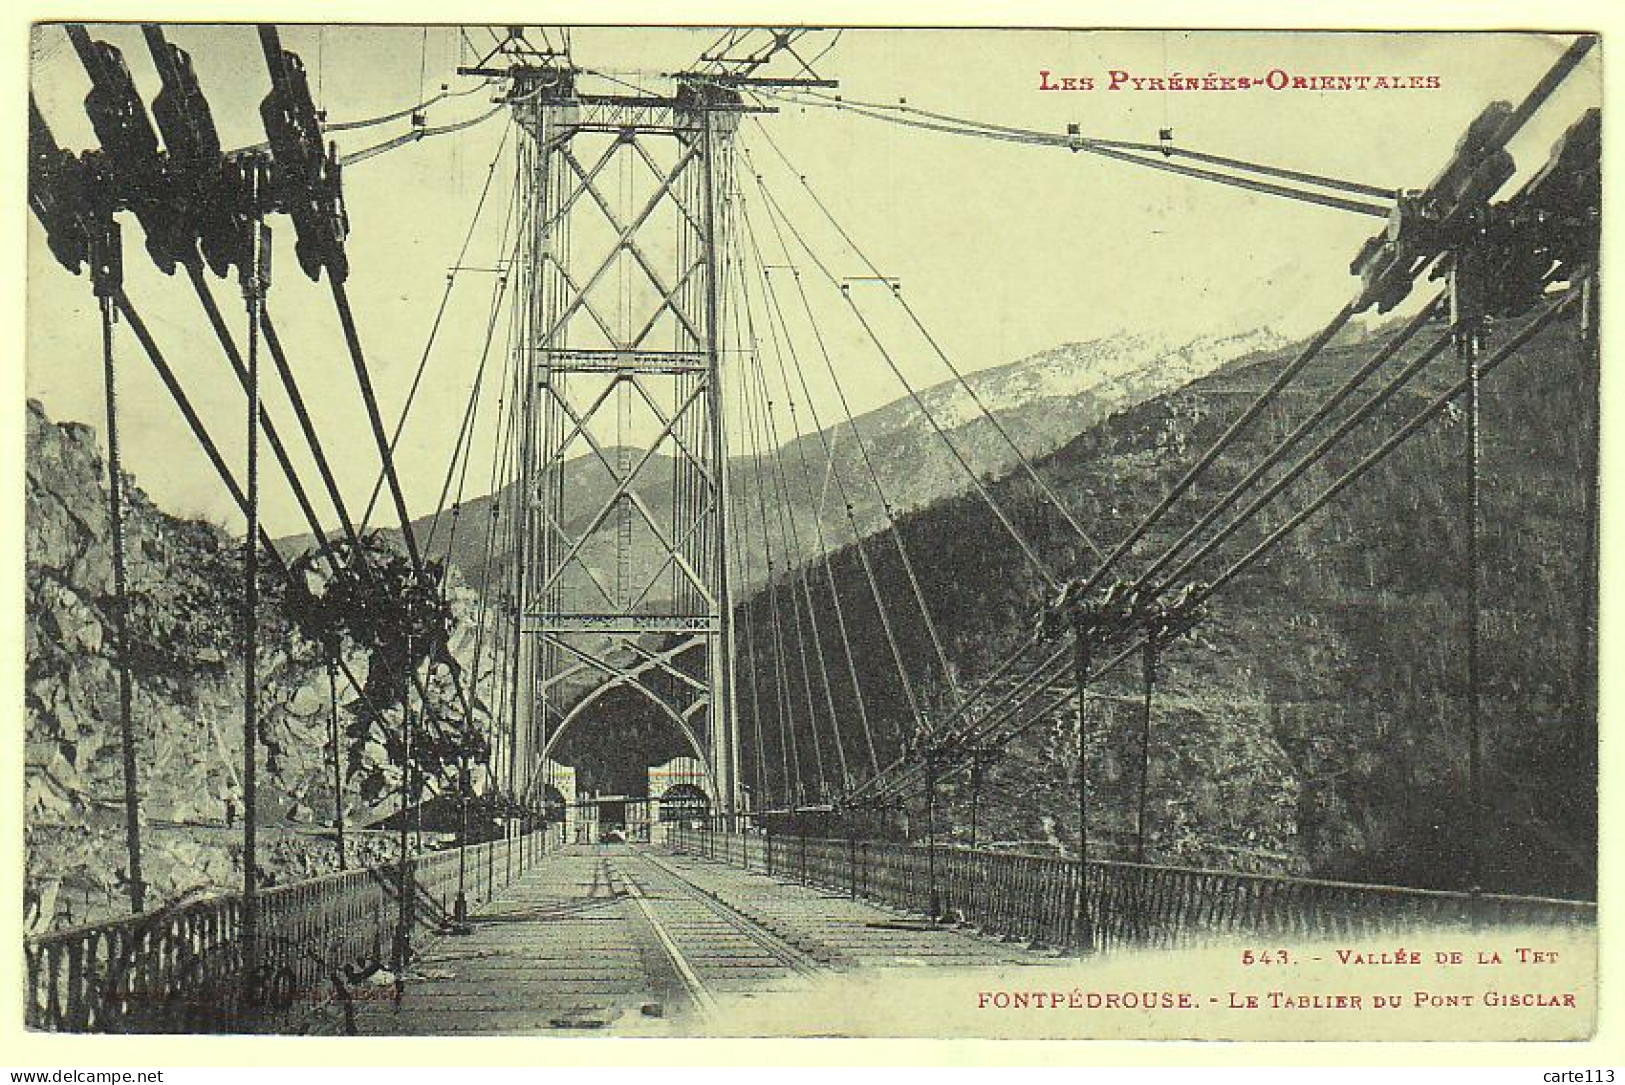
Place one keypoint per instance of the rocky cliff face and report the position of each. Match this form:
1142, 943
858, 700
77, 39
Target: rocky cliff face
184, 581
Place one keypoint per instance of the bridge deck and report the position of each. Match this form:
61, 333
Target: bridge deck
637, 941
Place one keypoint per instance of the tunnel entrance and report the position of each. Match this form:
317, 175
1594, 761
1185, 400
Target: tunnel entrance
612, 819
684, 802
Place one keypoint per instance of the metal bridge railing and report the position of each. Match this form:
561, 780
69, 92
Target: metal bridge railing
1035, 898
181, 969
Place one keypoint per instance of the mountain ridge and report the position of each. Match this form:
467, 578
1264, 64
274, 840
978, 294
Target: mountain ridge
1040, 401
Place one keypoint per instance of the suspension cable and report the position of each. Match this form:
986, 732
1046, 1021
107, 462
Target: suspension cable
1311, 458
787, 740
463, 447
796, 571
440, 312
1106, 149
121, 604
843, 634
1033, 559
1164, 150
1052, 668
254, 280
1531, 103
840, 484
1320, 414
791, 537
193, 420
417, 134
1553, 310
324, 468
734, 271
352, 340
790, 784
746, 574
1543, 89
407, 111
511, 500
1050, 671
748, 620
212, 453
1188, 479
485, 610
873, 473
897, 776
296, 399
834, 473
1022, 459
273, 438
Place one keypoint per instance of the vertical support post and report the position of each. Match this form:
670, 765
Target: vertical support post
401, 954
1150, 680
417, 790
1467, 302
931, 836
255, 277
852, 855
459, 908
537, 185
106, 275
509, 805
1082, 662
724, 714
976, 766
1584, 731
338, 755
1142, 820
490, 842
1475, 738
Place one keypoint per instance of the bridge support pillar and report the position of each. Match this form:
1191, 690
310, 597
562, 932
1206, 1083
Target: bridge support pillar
620, 347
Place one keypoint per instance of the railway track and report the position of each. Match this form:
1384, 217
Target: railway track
635, 941
715, 950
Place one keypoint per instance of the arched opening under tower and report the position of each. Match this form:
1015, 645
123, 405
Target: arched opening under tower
631, 737
684, 802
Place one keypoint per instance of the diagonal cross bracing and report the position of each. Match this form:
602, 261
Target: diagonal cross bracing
607, 256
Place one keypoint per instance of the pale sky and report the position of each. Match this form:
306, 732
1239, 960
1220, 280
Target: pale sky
1003, 250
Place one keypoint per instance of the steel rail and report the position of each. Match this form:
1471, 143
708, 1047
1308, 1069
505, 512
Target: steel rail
786, 953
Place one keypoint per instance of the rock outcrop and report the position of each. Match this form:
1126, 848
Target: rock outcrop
184, 580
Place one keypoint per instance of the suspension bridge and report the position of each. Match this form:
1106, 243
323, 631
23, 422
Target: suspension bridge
678, 523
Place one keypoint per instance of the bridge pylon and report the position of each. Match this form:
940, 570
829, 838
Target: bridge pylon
622, 598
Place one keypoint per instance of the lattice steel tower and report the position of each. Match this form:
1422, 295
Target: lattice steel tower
622, 201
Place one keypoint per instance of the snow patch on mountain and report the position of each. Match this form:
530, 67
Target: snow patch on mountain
1116, 370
